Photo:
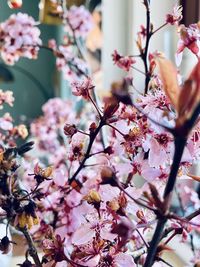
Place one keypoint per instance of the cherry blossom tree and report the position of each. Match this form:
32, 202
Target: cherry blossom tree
78, 199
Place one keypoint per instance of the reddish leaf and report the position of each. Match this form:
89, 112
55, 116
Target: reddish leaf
168, 75
189, 97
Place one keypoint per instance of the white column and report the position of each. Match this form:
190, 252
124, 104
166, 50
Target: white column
115, 36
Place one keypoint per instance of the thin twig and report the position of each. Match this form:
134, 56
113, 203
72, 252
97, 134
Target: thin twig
87, 154
32, 249
159, 28
144, 55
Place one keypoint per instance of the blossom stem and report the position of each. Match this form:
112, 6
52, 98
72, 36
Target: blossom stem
83, 132
96, 107
193, 215
144, 55
87, 154
137, 201
138, 70
165, 262
32, 249
159, 28
113, 127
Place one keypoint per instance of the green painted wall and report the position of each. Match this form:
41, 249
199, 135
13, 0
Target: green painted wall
28, 96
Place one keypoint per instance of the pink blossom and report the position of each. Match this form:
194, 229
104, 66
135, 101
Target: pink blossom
73, 68
19, 37
82, 88
175, 16
77, 146
6, 122
123, 260
189, 38
122, 62
6, 97
87, 231
80, 21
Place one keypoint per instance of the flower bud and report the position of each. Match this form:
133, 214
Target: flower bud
69, 130
5, 245
109, 150
108, 176
93, 197
114, 205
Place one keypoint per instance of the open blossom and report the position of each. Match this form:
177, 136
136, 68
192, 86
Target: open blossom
92, 227
19, 37
82, 88
80, 21
6, 122
175, 16
123, 62
6, 97
189, 38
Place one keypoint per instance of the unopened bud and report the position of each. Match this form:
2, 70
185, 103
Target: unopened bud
93, 197
108, 176
69, 129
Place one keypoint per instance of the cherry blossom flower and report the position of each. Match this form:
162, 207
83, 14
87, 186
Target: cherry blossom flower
73, 68
80, 21
82, 88
94, 226
123, 62
6, 97
189, 38
19, 37
6, 122
175, 16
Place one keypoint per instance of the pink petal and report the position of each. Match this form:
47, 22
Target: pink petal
83, 235
123, 260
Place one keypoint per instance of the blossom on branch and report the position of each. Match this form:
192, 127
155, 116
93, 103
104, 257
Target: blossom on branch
123, 62
19, 37
82, 88
189, 38
176, 16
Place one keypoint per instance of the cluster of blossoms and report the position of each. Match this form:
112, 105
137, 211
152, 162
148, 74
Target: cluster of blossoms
123, 62
78, 24
72, 67
19, 37
91, 218
79, 21
9, 132
82, 203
